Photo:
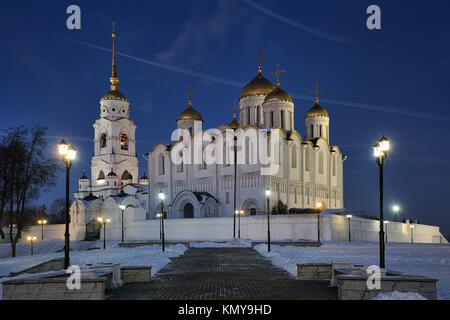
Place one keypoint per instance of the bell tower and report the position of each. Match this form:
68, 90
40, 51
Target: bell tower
114, 163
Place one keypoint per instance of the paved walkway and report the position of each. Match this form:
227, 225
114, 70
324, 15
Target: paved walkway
223, 274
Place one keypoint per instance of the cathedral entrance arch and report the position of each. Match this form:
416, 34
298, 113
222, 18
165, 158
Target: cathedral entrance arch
188, 210
185, 205
250, 207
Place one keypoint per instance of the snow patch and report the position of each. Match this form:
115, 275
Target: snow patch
396, 295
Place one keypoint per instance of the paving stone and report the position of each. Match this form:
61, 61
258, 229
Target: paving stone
223, 274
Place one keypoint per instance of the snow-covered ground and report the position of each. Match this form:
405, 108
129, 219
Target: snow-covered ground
79, 255
232, 243
432, 260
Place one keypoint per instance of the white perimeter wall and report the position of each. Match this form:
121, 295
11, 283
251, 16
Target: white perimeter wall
282, 227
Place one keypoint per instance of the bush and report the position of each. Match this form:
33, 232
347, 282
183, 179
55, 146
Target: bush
304, 211
279, 208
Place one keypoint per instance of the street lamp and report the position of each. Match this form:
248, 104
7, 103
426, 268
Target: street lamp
42, 222
380, 150
162, 196
412, 233
68, 154
396, 209
349, 217
103, 221
318, 207
31, 239
268, 218
235, 148
123, 208
386, 223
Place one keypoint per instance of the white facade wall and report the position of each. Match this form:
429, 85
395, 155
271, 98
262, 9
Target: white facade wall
299, 182
51, 231
282, 227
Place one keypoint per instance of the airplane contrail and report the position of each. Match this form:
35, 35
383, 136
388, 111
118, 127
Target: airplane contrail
300, 26
238, 84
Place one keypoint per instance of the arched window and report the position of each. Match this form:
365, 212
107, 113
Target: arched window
333, 163
103, 140
271, 119
282, 118
320, 162
126, 175
101, 175
180, 167
123, 141
294, 157
247, 150
161, 164
258, 115
306, 159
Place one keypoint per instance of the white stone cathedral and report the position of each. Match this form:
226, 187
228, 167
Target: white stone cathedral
309, 170
309, 174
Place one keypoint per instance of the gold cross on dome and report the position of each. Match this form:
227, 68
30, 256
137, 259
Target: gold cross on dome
189, 94
234, 107
260, 59
277, 73
316, 91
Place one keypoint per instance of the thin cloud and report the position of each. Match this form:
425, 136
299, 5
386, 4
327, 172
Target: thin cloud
238, 84
300, 26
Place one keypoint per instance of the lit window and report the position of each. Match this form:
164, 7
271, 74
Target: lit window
123, 141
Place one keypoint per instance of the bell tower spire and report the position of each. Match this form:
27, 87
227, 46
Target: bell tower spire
114, 78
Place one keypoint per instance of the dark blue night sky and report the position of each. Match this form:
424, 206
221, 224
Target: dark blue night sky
392, 81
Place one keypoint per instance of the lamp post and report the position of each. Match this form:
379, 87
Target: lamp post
42, 222
396, 209
349, 217
235, 177
158, 215
318, 207
412, 233
123, 208
31, 239
268, 218
240, 212
162, 196
380, 150
386, 223
103, 221
68, 154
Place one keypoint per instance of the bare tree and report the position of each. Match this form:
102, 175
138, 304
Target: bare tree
27, 172
57, 212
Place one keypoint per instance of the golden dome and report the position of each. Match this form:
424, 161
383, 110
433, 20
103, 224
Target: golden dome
258, 86
234, 124
317, 111
190, 114
278, 94
114, 95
